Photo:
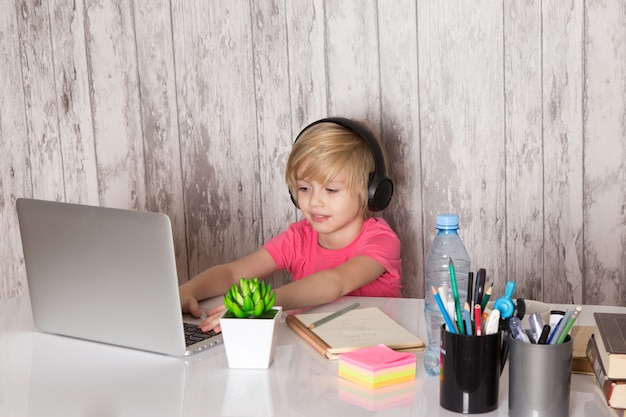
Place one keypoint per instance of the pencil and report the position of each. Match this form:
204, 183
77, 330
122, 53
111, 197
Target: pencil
478, 322
486, 297
333, 315
468, 320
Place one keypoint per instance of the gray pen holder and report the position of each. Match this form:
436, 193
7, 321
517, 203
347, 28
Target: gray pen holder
539, 379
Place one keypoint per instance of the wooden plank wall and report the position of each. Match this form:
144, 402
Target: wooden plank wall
510, 113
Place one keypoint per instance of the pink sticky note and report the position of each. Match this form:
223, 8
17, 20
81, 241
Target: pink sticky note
377, 357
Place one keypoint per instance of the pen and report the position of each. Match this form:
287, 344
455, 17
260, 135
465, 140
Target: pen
333, 315
486, 297
468, 320
536, 326
478, 320
482, 272
479, 277
569, 325
544, 335
444, 312
455, 294
517, 330
470, 287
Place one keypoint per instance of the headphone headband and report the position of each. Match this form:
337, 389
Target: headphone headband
380, 186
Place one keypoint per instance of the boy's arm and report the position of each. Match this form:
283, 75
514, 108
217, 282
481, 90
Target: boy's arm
328, 285
215, 281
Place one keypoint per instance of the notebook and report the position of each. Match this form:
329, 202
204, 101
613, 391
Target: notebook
353, 330
105, 275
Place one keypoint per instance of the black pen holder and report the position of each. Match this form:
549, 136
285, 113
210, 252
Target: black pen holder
469, 372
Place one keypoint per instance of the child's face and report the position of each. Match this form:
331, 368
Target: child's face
332, 209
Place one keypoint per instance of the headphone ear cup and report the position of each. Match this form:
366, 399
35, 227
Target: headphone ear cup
379, 192
293, 200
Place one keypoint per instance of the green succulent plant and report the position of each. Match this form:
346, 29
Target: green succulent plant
249, 298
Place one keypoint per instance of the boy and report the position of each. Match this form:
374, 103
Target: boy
337, 249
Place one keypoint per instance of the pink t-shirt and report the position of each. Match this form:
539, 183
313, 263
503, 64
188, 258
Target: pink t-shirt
296, 250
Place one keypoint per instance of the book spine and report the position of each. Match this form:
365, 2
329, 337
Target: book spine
604, 383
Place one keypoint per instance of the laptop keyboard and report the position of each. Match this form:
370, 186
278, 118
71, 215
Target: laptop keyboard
193, 334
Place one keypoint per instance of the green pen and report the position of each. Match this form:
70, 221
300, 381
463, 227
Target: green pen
455, 293
569, 326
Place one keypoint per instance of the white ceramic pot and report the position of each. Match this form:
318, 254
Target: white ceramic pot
250, 343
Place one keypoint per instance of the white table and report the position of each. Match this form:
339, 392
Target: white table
46, 375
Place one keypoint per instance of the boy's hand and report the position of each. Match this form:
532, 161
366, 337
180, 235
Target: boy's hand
190, 305
212, 320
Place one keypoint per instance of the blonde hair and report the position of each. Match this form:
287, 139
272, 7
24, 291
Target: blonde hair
325, 149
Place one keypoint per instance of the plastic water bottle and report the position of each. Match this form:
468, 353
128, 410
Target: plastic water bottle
447, 244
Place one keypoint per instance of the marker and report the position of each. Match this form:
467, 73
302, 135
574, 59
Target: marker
493, 322
478, 320
444, 312
559, 329
333, 315
455, 294
569, 325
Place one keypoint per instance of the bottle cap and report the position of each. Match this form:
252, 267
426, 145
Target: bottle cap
447, 221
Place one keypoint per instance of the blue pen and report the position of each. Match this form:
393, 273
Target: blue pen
553, 330
444, 312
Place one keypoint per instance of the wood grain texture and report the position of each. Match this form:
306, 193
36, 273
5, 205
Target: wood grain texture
401, 134
524, 146
220, 157
511, 114
15, 171
112, 60
46, 164
80, 177
462, 126
563, 151
157, 88
604, 108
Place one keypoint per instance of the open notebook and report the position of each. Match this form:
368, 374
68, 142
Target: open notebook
353, 330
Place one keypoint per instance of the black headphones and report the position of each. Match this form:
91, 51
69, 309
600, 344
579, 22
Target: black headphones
380, 186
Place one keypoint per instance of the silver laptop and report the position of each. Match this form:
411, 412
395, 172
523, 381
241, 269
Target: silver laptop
105, 275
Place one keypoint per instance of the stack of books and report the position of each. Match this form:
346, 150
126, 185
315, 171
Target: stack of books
606, 352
